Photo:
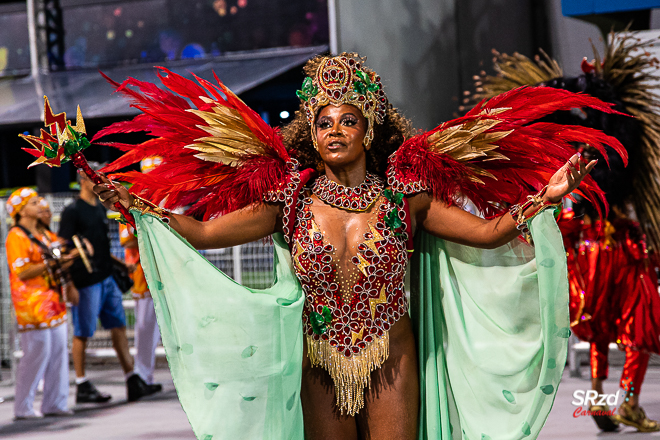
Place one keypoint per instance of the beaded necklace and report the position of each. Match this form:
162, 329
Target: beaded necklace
358, 198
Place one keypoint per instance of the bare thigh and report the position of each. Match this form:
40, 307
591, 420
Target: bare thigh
320, 414
391, 405
391, 408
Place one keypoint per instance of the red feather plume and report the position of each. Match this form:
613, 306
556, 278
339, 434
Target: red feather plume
496, 154
181, 131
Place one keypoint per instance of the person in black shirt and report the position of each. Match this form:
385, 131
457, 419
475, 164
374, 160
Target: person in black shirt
100, 298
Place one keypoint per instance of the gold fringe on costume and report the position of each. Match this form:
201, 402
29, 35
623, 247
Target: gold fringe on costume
350, 375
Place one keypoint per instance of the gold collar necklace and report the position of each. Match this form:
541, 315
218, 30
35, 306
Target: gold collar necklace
357, 198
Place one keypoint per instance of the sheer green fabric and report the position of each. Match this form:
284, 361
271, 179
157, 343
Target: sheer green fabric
491, 331
235, 353
492, 334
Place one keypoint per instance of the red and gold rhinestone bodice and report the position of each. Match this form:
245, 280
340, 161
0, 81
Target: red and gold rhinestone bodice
365, 297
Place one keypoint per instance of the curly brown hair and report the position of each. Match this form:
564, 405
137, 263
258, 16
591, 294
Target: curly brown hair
388, 136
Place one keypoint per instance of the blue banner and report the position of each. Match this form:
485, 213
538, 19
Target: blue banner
589, 7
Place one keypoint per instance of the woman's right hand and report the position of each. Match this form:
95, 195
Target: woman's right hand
110, 192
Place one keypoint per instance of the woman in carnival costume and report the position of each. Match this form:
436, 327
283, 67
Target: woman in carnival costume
40, 310
348, 193
613, 284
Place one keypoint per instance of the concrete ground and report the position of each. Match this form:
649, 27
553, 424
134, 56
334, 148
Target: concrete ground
155, 417
562, 425
161, 417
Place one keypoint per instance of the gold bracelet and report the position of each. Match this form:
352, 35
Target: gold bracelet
518, 212
146, 207
545, 206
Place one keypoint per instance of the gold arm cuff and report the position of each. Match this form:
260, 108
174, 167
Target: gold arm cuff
144, 206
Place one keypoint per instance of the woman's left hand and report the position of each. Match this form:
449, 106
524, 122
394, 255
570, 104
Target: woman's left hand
567, 178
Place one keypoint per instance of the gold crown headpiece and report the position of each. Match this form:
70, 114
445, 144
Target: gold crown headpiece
341, 80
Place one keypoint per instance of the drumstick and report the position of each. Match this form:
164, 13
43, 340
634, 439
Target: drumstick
83, 254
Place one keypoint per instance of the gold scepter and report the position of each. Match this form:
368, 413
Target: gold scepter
65, 143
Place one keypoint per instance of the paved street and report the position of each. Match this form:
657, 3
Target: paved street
161, 417
562, 425
157, 417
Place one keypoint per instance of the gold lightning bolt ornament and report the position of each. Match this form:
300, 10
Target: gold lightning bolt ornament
356, 336
375, 238
299, 252
363, 264
373, 302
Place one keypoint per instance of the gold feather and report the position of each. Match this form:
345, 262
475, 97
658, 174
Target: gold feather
512, 71
230, 139
469, 141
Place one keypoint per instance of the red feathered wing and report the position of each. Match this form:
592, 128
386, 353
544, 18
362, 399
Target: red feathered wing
218, 154
496, 154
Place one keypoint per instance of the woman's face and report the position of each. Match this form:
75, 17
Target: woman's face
44, 214
340, 131
31, 209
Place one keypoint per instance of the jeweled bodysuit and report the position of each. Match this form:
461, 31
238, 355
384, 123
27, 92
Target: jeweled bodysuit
364, 300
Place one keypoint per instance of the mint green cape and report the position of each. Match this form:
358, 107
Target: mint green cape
492, 329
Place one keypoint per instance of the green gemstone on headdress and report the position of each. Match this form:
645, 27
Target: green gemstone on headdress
301, 95
364, 84
308, 91
364, 77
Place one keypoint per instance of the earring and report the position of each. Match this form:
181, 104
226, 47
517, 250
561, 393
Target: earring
368, 137
314, 141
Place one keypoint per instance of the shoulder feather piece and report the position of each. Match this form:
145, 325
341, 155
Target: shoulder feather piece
496, 154
218, 154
